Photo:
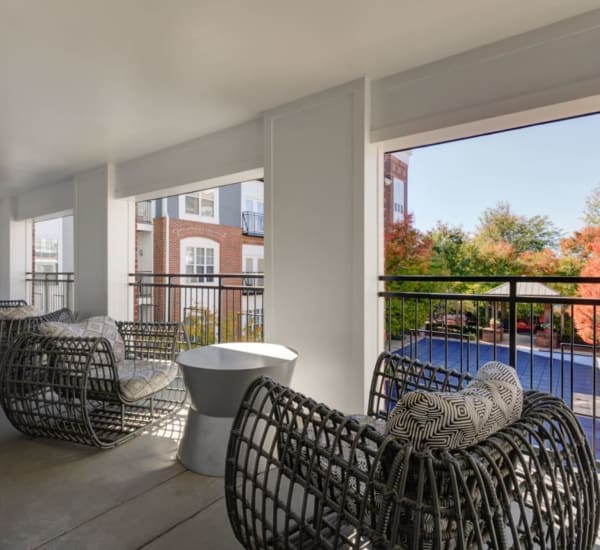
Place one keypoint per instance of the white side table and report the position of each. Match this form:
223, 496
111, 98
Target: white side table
216, 378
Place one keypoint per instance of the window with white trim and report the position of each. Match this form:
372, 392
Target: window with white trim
201, 203
200, 258
201, 206
200, 261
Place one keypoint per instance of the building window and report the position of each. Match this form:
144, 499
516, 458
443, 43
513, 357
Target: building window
201, 204
200, 260
398, 200
253, 263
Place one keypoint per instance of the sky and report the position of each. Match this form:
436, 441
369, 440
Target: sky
548, 169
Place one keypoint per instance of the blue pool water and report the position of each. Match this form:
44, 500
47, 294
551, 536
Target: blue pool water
571, 377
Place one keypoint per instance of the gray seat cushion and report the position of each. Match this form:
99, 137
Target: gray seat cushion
140, 378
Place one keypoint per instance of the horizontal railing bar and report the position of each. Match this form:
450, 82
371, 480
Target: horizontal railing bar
195, 275
567, 300
488, 279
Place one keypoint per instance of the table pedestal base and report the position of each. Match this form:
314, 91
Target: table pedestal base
204, 443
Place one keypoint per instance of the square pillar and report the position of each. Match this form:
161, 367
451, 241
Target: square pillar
322, 251
104, 245
15, 252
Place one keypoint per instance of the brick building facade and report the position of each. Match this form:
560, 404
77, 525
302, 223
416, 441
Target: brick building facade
395, 188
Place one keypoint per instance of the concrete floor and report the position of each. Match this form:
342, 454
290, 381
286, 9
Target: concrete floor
61, 496
56, 495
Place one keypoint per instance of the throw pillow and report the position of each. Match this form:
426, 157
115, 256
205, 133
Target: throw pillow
94, 327
456, 420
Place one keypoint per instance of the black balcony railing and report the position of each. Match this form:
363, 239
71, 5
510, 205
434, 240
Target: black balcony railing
537, 324
143, 211
253, 223
219, 308
50, 291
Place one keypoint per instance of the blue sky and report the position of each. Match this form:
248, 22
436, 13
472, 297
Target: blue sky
548, 170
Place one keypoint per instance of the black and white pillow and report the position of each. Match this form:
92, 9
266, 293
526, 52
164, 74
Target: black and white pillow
456, 420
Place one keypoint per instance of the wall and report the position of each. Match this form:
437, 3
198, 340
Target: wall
554, 64
314, 240
192, 165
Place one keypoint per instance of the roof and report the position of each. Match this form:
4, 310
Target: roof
524, 289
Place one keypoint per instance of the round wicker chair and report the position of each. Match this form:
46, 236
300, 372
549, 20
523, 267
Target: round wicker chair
73, 388
301, 475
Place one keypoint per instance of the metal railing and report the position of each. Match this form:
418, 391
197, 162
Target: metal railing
550, 335
143, 211
253, 223
50, 291
214, 309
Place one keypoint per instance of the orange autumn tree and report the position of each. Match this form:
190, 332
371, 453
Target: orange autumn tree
587, 318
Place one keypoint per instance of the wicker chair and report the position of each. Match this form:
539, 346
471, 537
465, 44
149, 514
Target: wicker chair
11, 328
301, 475
72, 388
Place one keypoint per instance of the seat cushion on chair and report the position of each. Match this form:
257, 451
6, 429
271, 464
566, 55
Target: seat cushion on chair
94, 327
140, 378
456, 420
20, 312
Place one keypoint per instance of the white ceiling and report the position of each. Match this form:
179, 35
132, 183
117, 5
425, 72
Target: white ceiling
85, 82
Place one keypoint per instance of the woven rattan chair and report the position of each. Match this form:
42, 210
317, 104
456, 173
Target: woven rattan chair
301, 475
72, 388
11, 328
5, 304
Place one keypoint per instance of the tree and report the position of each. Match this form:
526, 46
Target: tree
407, 252
580, 244
453, 251
591, 210
501, 224
587, 318
538, 262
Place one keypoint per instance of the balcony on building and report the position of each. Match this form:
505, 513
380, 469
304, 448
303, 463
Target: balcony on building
253, 223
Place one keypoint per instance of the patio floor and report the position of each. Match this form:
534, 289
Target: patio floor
56, 495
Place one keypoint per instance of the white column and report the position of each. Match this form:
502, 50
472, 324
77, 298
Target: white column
321, 242
14, 252
104, 234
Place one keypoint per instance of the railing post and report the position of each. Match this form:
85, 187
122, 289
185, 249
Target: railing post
512, 323
168, 300
219, 308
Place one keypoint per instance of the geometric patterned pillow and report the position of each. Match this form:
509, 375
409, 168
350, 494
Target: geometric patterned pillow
94, 327
21, 312
140, 378
456, 420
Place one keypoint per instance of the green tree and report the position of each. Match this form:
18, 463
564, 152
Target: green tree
591, 209
453, 251
501, 224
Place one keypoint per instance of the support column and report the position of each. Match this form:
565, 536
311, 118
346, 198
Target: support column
104, 245
321, 242
14, 252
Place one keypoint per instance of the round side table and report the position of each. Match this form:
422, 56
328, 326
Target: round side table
216, 378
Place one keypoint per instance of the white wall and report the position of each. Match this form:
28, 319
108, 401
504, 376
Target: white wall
104, 245
198, 164
50, 199
314, 240
551, 65
14, 252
